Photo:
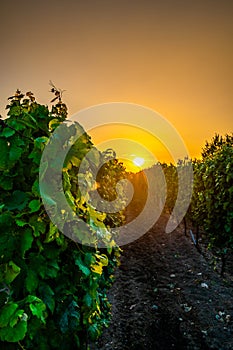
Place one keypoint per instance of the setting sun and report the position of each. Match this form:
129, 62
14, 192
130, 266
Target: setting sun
139, 161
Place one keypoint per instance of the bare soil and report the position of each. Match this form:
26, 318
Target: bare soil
167, 296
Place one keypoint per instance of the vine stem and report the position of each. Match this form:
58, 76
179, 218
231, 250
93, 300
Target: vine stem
21, 346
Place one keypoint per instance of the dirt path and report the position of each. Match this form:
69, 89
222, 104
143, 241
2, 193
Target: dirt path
159, 300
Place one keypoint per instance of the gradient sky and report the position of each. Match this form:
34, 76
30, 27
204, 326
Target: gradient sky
175, 57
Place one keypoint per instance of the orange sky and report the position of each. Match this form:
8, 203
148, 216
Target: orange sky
172, 56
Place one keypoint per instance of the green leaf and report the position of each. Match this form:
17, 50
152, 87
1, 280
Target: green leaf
7, 132
15, 334
26, 123
31, 281
38, 309
18, 200
87, 299
66, 181
52, 252
26, 240
85, 270
14, 124
4, 154
47, 295
21, 223
32, 299
70, 318
35, 155
15, 111
36, 188
40, 140
6, 183
38, 225
227, 228
94, 332
8, 245
51, 234
15, 152
6, 221
70, 199
52, 269
89, 259
38, 264
6, 312
34, 205
8, 272
16, 317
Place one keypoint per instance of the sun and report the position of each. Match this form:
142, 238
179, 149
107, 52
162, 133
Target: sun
133, 163
138, 161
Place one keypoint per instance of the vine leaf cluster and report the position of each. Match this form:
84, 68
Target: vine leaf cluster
53, 290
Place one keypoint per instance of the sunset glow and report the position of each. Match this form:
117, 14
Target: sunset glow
131, 166
139, 161
129, 143
174, 57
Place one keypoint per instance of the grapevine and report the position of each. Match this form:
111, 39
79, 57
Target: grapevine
52, 289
